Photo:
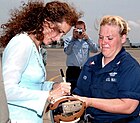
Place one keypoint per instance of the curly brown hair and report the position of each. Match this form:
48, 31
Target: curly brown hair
29, 18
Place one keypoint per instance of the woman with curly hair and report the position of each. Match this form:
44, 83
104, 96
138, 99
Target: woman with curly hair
24, 73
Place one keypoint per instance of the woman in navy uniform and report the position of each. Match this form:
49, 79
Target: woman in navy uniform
110, 81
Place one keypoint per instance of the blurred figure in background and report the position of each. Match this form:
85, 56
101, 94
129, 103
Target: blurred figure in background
77, 48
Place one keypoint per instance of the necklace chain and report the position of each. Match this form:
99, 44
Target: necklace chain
39, 61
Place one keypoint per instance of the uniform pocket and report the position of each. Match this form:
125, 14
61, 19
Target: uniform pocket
109, 89
104, 90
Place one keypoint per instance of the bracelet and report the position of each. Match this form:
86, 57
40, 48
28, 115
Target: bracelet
51, 98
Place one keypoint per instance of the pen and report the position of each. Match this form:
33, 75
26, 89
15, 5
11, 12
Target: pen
62, 74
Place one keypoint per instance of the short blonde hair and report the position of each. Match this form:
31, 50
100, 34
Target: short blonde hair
116, 20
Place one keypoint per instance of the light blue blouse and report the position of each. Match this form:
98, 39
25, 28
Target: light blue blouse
24, 75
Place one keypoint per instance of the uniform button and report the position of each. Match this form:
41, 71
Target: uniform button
85, 77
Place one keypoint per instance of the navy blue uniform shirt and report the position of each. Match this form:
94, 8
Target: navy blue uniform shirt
118, 79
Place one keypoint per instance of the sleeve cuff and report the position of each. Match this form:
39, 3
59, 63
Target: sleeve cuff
131, 95
47, 86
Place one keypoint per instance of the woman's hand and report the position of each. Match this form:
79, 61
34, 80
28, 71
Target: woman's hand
59, 90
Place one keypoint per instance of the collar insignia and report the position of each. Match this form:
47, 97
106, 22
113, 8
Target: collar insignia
118, 62
92, 63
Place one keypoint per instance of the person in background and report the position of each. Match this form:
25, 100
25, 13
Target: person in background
43, 51
4, 112
109, 81
77, 48
24, 73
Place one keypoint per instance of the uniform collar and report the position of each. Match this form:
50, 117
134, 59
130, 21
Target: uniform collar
95, 64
